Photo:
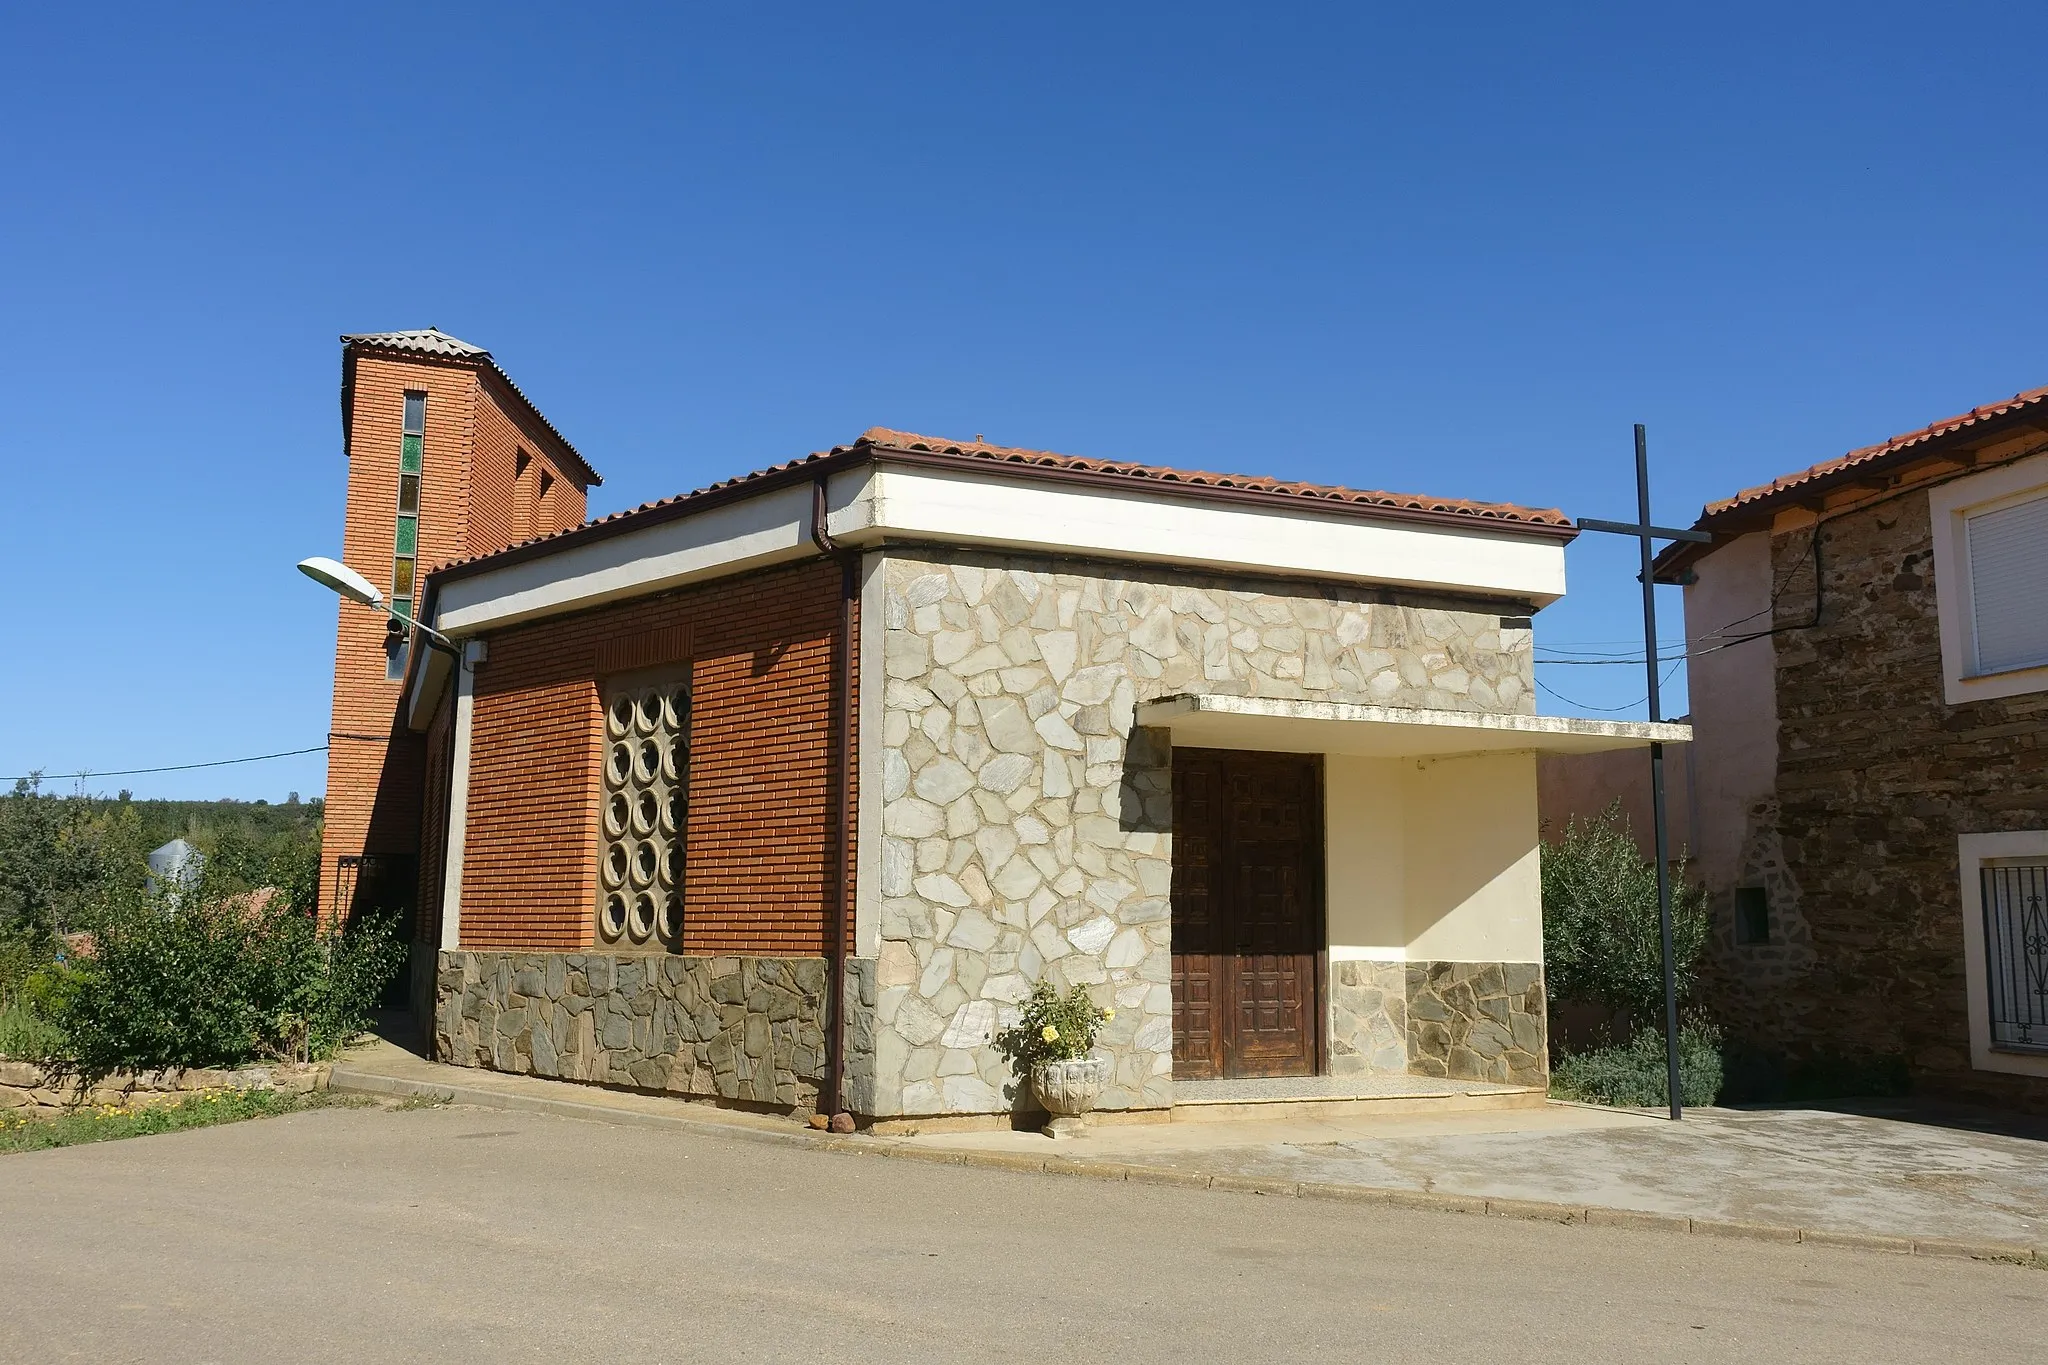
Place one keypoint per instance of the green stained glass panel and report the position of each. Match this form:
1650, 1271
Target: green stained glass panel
409, 455
408, 535
402, 607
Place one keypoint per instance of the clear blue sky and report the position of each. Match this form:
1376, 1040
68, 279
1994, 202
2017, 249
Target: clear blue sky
1453, 250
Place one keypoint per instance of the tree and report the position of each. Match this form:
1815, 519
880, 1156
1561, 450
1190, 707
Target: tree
59, 856
1601, 941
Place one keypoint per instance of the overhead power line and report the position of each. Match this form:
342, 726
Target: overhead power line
171, 768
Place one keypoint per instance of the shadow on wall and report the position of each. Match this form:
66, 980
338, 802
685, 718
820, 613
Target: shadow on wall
1145, 791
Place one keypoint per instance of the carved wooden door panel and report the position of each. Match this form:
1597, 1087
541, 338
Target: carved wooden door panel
1197, 936
1247, 913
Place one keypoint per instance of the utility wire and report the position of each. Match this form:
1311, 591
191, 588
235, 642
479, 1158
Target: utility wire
172, 768
1630, 707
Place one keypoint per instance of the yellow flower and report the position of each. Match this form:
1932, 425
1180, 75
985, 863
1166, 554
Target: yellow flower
1109, 1014
1051, 1034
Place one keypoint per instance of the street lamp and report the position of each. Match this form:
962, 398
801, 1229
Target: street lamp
332, 573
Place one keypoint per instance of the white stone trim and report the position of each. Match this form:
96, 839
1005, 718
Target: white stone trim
867, 899
473, 654
1948, 505
1280, 725
1972, 852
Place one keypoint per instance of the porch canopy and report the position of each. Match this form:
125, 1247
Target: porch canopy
1277, 725
1432, 832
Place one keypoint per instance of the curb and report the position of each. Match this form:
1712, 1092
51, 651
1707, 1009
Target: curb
1525, 1210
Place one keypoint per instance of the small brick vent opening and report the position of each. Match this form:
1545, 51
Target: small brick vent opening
645, 812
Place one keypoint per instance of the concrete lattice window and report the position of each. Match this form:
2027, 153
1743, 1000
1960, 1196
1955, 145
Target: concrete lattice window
644, 813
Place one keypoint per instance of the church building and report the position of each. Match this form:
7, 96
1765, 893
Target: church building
783, 793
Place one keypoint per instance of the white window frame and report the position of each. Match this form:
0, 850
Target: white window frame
1975, 850
1950, 505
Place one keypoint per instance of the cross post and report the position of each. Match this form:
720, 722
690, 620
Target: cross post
1646, 535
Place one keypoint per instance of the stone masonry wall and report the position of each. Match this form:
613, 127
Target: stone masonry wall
1028, 825
745, 1029
1478, 1021
1877, 777
30, 1089
1368, 1011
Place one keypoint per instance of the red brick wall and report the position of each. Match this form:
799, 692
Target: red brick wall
506, 507
474, 431
373, 781
760, 773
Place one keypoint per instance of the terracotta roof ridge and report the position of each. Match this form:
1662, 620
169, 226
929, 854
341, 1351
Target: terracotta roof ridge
1864, 455
891, 438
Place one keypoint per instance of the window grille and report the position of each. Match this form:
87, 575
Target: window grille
644, 813
2016, 954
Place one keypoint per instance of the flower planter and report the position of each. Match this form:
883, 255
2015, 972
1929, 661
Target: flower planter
1068, 1091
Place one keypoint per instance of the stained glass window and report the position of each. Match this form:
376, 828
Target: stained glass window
406, 538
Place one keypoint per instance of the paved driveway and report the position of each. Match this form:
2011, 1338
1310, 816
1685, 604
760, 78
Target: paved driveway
1884, 1171
463, 1234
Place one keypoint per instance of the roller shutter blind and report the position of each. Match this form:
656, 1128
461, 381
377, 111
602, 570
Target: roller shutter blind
2009, 586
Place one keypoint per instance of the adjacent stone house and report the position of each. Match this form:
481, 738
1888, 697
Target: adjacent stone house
1868, 646
785, 792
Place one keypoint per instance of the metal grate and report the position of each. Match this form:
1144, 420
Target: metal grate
2016, 955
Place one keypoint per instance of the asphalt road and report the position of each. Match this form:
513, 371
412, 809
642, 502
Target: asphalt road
473, 1235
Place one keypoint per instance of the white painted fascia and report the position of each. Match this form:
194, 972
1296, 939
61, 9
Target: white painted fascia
1972, 852
1022, 513
1948, 505
769, 528
872, 504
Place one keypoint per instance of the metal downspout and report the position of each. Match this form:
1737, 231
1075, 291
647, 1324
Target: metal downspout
831, 1101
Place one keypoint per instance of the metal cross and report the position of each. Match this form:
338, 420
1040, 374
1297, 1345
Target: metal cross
1647, 534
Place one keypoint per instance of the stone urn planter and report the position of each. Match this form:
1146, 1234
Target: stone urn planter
1068, 1090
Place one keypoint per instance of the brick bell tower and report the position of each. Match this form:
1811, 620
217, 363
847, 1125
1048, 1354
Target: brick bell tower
446, 459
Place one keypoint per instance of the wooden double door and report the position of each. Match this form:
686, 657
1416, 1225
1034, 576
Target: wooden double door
1247, 913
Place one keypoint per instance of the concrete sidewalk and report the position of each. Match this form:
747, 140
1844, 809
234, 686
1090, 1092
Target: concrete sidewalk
1884, 1182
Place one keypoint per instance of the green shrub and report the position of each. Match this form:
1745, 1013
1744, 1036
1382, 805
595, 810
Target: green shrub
1601, 939
25, 1037
23, 948
1633, 1074
1053, 1027
215, 982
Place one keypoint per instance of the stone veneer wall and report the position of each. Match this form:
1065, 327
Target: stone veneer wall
1027, 826
1368, 1009
1877, 776
1477, 1021
745, 1029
